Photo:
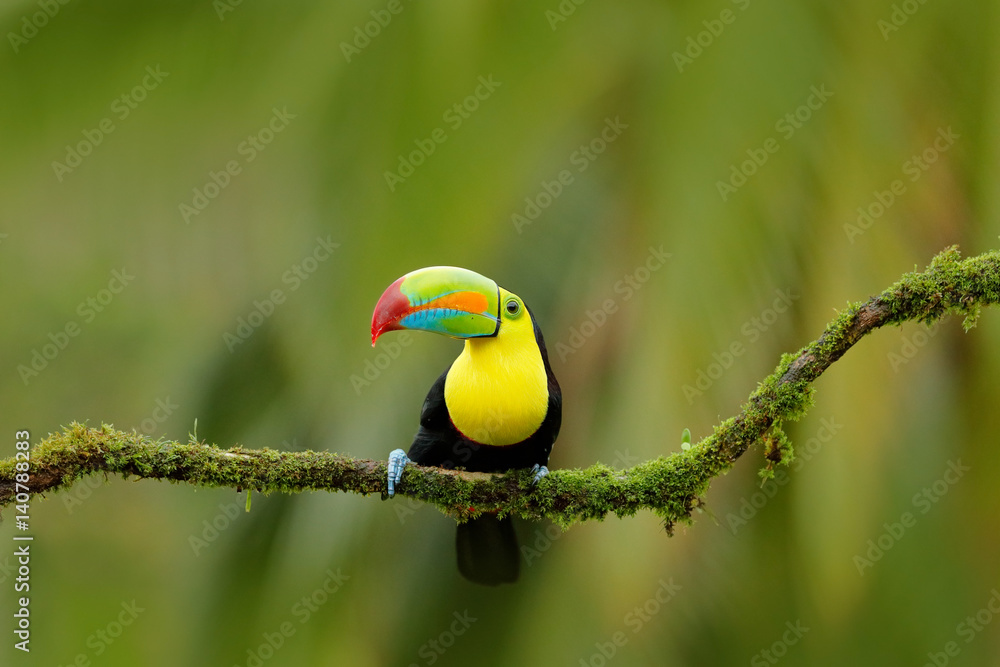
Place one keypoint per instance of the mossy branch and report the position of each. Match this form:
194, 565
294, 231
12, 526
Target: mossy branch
671, 486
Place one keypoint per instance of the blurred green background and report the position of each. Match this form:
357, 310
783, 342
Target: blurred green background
249, 137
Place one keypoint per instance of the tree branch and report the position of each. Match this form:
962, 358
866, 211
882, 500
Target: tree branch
671, 486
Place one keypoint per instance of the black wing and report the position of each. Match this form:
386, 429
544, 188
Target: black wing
438, 442
547, 433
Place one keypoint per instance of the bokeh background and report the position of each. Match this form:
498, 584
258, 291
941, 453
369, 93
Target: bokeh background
647, 107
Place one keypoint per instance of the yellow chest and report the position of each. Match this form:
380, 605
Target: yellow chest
497, 390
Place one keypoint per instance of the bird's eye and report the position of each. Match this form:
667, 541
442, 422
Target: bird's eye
513, 307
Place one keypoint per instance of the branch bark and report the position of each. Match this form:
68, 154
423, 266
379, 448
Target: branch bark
671, 486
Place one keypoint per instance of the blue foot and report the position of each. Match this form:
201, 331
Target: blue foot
540, 471
397, 459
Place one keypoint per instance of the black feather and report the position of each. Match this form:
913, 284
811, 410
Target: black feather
487, 550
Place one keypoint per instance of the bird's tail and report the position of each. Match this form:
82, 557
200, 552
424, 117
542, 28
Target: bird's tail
487, 550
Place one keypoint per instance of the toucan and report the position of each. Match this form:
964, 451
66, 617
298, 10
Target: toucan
497, 407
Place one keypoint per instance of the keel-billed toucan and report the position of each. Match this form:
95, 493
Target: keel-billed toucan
497, 407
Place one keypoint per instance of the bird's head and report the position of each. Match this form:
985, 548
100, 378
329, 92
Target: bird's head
447, 300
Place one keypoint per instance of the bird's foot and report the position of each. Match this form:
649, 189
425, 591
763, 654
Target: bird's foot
397, 460
539, 472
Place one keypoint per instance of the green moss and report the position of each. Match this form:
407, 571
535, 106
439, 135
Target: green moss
672, 486
777, 449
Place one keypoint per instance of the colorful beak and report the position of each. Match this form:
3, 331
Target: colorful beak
443, 299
